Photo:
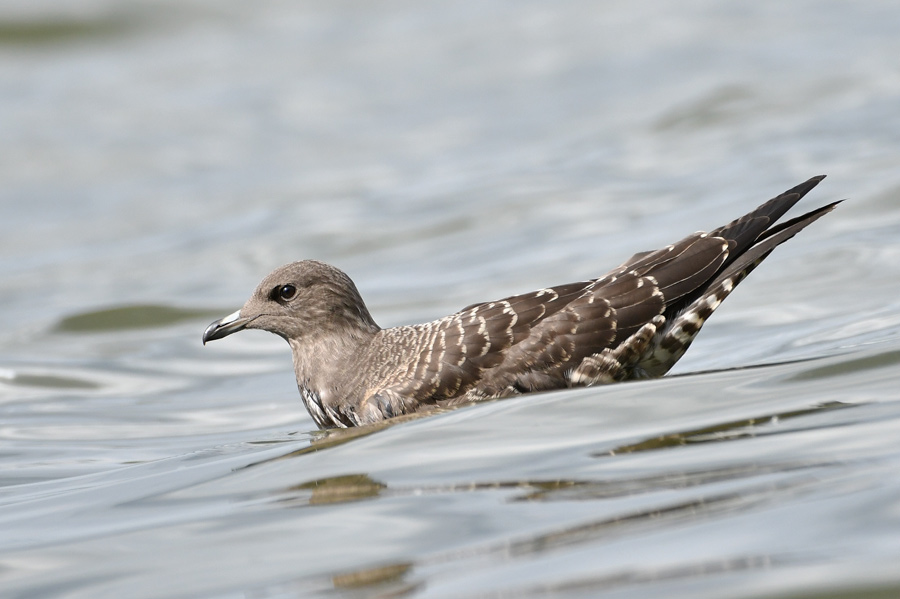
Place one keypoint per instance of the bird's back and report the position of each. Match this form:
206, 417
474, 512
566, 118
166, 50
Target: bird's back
634, 322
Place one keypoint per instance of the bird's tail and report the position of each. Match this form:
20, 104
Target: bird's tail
752, 240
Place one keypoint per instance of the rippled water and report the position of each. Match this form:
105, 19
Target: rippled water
158, 158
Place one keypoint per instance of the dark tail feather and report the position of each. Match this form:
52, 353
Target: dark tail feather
743, 264
686, 317
749, 229
813, 215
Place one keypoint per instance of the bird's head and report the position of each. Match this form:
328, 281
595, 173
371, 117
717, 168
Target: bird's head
300, 300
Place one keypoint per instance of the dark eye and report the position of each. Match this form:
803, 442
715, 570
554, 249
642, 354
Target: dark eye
285, 293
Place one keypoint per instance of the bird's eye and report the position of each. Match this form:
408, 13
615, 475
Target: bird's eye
286, 292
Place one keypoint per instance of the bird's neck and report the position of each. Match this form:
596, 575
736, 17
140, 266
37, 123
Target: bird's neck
325, 365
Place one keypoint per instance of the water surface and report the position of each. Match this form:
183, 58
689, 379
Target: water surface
158, 158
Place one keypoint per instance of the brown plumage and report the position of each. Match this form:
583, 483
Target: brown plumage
634, 322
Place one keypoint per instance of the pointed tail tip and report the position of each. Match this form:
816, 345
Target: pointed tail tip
807, 186
829, 207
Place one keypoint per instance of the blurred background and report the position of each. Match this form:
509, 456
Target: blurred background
159, 157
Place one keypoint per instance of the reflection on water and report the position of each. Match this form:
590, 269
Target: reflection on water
750, 427
338, 489
58, 30
355, 487
709, 505
128, 317
52, 381
374, 576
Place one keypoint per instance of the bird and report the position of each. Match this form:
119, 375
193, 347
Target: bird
634, 322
